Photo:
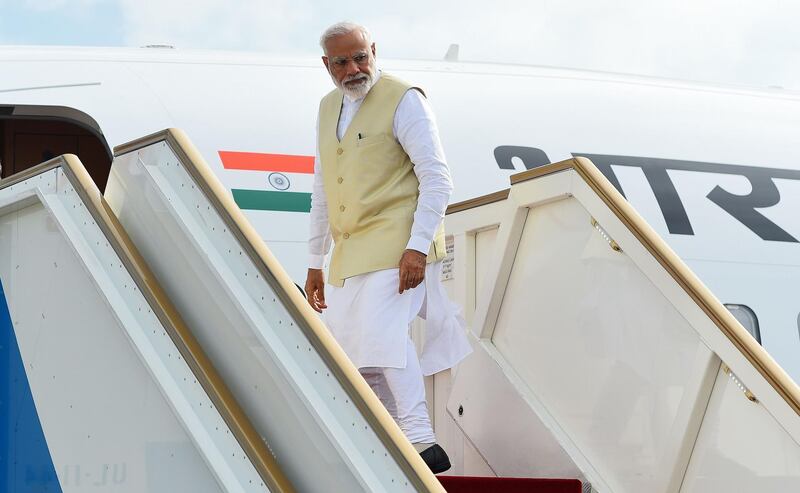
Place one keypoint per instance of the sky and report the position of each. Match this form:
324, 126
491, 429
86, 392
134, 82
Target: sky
753, 42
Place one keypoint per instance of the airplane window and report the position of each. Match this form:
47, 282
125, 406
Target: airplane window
747, 318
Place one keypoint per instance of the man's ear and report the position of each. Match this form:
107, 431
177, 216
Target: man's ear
373, 49
325, 62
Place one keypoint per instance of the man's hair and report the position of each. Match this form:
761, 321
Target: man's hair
340, 29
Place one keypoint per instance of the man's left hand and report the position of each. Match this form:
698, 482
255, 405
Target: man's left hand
412, 269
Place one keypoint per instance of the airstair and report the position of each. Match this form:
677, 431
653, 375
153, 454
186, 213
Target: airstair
153, 343
111, 388
614, 364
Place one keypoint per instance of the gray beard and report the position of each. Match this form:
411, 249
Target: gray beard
358, 91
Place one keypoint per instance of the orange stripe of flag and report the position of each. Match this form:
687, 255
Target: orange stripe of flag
256, 161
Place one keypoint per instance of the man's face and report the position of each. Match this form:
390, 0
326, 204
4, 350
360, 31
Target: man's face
350, 61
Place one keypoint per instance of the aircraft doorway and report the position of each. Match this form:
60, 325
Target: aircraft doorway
26, 142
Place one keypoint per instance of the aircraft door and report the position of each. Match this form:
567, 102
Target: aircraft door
28, 141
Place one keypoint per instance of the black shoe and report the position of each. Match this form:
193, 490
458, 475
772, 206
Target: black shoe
436, 458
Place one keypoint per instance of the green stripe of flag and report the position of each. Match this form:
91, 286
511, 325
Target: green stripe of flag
267, 200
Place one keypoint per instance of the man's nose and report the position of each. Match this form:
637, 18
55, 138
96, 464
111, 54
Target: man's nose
352, 67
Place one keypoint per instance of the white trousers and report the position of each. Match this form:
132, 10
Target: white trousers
402, 392
370, 320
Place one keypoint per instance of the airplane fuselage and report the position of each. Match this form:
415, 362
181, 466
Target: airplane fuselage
713, 169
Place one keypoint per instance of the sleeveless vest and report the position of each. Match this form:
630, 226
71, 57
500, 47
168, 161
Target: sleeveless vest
369, 184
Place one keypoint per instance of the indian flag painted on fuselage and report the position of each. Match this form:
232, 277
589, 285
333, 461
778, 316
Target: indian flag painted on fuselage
286, 180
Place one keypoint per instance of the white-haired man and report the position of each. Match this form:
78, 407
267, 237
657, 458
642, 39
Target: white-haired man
381, 187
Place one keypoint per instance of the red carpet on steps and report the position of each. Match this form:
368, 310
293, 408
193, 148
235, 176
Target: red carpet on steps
467, 484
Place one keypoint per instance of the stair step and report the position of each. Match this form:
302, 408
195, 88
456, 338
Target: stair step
470, 484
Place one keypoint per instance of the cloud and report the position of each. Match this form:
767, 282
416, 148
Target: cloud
729, 41
214, 24
713, 40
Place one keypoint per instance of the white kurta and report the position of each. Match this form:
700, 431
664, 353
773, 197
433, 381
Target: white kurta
370, 320
368, 317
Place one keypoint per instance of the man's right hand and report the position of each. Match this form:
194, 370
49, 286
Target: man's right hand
315, 289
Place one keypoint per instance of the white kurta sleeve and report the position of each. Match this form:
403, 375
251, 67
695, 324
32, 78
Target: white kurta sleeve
416, 130
319, 238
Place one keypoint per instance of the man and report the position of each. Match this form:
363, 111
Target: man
381, 187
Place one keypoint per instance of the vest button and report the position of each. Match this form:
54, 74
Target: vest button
339, 151
340, 179
341, 208
346, 236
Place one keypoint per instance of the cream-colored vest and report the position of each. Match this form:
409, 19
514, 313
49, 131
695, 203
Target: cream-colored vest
369, 183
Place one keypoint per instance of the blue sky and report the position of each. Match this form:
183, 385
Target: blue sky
729, 41
74, 23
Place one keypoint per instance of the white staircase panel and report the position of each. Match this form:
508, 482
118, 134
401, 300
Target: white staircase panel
120, 408
741, 447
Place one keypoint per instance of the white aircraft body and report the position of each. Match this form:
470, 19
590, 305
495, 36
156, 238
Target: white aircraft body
714, 169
